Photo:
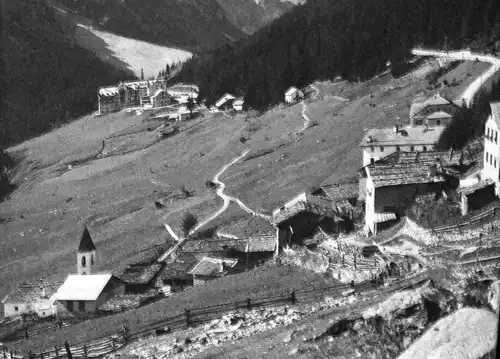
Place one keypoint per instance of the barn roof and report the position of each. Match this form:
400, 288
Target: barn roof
179, 268
342, 190
209, 266
402, 168
224, 99
406, 136
82, 287
27, 292
435, 100
141, 274
86, 243
313, 204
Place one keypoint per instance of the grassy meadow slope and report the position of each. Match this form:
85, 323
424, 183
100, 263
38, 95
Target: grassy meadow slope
114, 195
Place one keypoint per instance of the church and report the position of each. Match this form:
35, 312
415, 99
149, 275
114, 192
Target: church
80, 293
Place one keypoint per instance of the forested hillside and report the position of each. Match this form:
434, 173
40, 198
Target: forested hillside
188, 24
48, 78
351, 38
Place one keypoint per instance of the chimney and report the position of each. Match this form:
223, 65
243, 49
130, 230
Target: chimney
396, 128
432, 170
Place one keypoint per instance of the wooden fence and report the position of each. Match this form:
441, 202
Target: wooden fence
190, 317
477, 218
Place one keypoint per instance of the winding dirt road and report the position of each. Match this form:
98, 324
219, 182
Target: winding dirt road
307, 120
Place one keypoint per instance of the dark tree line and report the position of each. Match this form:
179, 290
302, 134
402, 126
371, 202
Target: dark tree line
323, 39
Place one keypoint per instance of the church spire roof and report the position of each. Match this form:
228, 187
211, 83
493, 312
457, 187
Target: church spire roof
86, 243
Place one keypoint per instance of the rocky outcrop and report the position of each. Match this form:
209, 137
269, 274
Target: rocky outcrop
468, 333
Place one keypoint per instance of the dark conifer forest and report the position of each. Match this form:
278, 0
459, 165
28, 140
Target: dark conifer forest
47, 78
323, 39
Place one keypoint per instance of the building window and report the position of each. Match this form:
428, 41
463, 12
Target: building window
412, 148
424, 149
418, 122
372, 160
92, 259
16, 309
372, 148
84, 261
69, 305
496, 136
122, 96
81, 306
438, 122
381, 149
398, 148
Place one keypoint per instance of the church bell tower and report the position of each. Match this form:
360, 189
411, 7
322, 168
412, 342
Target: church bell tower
86, 256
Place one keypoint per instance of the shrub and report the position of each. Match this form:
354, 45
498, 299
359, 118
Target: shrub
429, 212
189, 221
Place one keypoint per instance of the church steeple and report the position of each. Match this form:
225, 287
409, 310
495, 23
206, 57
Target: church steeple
86, 243
86, 253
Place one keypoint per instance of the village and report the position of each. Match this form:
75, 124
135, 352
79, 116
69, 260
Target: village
400, 164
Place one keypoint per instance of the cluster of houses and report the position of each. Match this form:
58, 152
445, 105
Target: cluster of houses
402, 163
230, 102
145, 93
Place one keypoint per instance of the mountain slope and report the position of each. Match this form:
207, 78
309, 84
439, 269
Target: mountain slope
251, 15
48, 78
187, 24
324, 39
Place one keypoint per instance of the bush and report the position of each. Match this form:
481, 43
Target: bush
189, 221
431, 212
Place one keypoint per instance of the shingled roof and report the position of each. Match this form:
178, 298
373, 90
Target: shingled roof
28, 292
402, 168
86, 243
312, 204
435, 100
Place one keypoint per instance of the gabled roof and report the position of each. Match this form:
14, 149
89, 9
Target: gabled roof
439, 114
495, 112
405, 137
28, 292
435, 100
224, 99
82, 287
141, 274
108, 91
305, 203
291, 91
401, 168
239, 101
208, 266
86, 243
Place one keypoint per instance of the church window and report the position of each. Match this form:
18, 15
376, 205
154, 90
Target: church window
92, 260
16, 309
84, 261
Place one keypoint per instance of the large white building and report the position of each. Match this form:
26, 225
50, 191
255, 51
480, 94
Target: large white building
381, 142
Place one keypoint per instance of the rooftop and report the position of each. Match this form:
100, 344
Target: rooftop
208, 266
435, 100
291, 90
179, 268
342, 190
439, 114
314, 204
108, 91
32, 291
82, 287
141, 274
402, 168
405, 136
223, 99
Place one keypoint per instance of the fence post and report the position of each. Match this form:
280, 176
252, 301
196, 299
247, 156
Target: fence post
68, 350
11, 355
4, 352
124, 333
343, 263
249, 304
41, 355
293, 298
355, 260
85, 351
57, 351
188, 319
30, 354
